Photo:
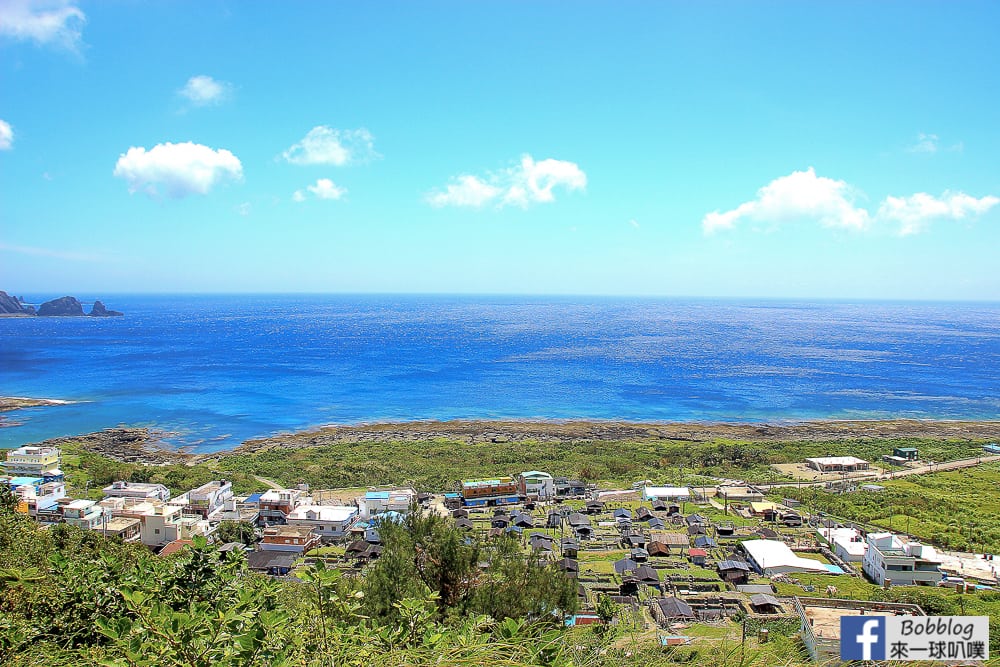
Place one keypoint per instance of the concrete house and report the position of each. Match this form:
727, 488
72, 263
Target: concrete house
208, 499
85, 514
376, 502
143, 491
328, 521
296, 539
819, 620
35, 494
31, 461
536, 485
159, 523
891, 561
848, 464
276, 504
846, 543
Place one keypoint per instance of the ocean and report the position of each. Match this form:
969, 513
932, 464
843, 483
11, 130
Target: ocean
216, 370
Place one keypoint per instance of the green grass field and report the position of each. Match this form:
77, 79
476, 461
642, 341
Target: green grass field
958, 509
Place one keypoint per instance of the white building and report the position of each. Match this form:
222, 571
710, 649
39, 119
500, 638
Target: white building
328, 521
144, 491
37, 494
838, 464
536, 485
208, 499
679, 493
846, 543
161, 523
31, 461
391, 500
774, 557
900, 563
276, 504
85, 514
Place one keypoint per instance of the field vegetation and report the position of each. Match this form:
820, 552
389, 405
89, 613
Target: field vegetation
88, 472
958, 509
439, 464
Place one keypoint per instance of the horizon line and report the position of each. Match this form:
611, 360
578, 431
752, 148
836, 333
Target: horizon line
543, 295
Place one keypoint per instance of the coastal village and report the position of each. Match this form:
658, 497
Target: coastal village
679, 561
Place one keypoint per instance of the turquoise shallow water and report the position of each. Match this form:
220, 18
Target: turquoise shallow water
216, 370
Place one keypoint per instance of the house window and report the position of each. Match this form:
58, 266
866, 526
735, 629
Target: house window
156, 531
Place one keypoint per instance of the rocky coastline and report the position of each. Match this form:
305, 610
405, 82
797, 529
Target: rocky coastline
474, 431
152, 447
128, 445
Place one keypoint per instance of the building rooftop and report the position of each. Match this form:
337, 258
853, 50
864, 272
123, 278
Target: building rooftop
479, 483
824, 615
331, 513
80, 504
836, 460
651, 492
175, 546
209, 487
776, 554
278, 495
25, 481
263, 560
288, 531
30, 450
120, 523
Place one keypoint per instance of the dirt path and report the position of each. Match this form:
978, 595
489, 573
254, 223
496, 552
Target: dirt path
273, 485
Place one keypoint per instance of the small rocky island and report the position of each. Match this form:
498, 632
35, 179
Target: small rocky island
67, 306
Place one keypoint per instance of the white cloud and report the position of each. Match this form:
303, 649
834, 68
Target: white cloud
180, 169
58, 22
915, 213
465, 191
203, 91
323, 189
634, 223
926, 143
326, 145
244, 209
6, 136
803, 196
527, 183
931, 143
800, 196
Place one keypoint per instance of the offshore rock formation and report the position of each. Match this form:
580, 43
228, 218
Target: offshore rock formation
10, 305
67, 306
100, 311
63, 306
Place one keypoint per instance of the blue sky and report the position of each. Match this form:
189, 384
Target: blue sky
817, 150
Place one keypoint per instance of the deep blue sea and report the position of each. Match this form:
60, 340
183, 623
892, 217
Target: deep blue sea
217, 370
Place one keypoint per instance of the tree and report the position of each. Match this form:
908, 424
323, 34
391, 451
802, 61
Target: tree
235, 531
517, 585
